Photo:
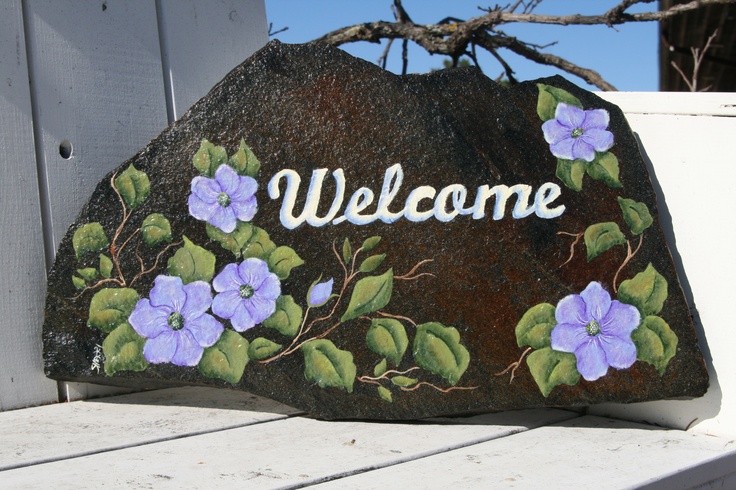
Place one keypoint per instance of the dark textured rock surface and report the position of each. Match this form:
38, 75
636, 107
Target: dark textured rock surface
308, 107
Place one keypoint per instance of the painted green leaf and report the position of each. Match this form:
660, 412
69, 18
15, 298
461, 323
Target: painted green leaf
192, 263
111, 307
636, 215
370, 294
347, 251
88, 273
370, 243
602, 236
385, 394
404, 381
380, 368
89, 238
226, 359
328, 366
647, 291
372, 263
78, 282
244, 161
535, 326
387, 337
234, 241
123, 350
655, 342
287, 318
438, 350
571, 173
262, 348
551, 368
208, 158
134, 186
549, 97
155, 229
282, 260
105, 266
259, 245
605, 168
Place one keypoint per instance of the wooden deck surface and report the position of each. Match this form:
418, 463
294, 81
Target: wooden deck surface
207, 438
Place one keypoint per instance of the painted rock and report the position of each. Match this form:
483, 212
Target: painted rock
364, 245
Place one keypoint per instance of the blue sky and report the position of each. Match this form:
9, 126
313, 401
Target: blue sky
625, 56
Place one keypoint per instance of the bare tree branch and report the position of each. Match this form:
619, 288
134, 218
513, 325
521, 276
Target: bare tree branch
453, 37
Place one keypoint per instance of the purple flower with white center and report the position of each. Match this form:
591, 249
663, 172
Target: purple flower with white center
174, 321
597, 330
575, 133
224, 200
320, 293
247, 293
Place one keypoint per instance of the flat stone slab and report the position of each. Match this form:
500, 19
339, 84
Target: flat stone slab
362, 245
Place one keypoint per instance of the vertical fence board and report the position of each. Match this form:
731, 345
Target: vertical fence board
97, 83
201, 42
23, 274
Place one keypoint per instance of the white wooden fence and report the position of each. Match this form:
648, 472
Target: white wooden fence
83, 86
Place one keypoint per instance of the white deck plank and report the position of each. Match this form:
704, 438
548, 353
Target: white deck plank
22, 266
587, 452
57, 432
284, 453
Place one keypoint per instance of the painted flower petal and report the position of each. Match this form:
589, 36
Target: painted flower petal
244, 209
223, 218
595, 119
554, 132
621, 320
567, 337
320, 293
597, 301
205, 189
200, 209
247, 187
228, 179
242, 319
569, 115
161, 348
253, 272
226, 303
582, 149
600, 139
592, 363
620, 352
270, 288
188, 351
168, 291
149, 321
199, 299
564, 149
571, 309
229, 278
260, 308
205, 329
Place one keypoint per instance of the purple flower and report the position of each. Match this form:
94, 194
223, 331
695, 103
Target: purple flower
247, 293
597, 330
175, 323
575, 133
320, 293
224, 200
